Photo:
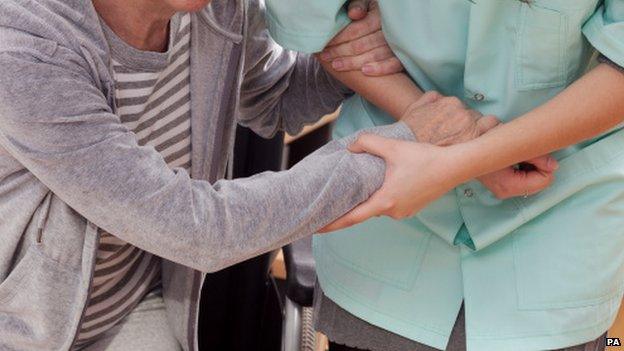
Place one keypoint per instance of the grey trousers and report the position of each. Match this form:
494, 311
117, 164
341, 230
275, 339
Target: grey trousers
352, 333
145, 329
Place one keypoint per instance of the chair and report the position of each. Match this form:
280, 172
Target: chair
241, 306
298, 332
238, 309
297, 329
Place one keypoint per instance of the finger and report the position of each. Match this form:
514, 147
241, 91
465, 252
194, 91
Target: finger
358, 29
355, 47
358, 62
427, 98
372, 207
374, 145
486, 123
388, 66
545, 163
358, 9
522, 183
536, 182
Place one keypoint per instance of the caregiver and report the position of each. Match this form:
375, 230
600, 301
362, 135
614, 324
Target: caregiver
533, 272
116, 123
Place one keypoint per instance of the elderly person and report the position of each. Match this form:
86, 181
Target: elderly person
116, 122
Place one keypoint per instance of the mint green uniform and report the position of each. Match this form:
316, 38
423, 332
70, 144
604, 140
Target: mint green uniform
544, 272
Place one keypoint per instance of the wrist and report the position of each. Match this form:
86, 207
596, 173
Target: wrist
463, 161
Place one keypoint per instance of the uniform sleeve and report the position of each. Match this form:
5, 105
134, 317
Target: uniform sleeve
282, 89
304, 25
605, 30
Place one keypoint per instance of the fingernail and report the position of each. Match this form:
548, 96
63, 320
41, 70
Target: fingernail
325, 56
337, 64
553, 164
368, 69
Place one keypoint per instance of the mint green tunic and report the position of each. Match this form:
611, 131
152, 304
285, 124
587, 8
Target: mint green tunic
540, 273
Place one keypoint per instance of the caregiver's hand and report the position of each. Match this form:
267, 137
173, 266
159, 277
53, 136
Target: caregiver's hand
444, 121
526, 179
416, 174
361, 46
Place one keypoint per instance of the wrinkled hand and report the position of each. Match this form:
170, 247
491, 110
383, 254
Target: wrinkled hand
526, 179
361, 46
419, 173
443, 121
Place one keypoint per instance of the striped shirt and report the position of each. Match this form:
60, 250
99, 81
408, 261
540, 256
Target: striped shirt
153, 100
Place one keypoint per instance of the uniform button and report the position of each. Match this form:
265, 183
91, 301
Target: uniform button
479, 97
468, 193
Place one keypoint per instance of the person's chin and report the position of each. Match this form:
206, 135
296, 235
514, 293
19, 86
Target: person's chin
188, 5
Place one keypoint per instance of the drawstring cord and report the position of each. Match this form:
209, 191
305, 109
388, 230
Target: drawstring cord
43, 219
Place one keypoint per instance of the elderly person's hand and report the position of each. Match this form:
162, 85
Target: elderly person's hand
446, 121
361, 46
418, 173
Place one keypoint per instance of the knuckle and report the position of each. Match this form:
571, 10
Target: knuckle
452, 101
464, 117
432, 96
373, 22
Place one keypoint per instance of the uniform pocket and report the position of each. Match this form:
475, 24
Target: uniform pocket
540, 56
383, 249
571, 256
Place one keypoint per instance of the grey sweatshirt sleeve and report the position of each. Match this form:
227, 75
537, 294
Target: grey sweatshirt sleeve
282, 89
57, 123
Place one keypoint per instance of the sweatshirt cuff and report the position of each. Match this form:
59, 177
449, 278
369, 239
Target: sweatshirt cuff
398, 130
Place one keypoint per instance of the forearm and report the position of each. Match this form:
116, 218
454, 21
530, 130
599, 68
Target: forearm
267, 211
392, 93
592, 105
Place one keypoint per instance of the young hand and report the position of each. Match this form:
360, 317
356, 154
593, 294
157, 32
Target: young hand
416, 174
446, 121
361, 46
526, 179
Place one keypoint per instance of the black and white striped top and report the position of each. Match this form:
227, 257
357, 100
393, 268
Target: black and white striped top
153, 100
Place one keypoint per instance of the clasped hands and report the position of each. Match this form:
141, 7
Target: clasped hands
418, 173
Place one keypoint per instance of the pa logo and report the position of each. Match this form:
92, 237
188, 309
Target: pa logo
614, 342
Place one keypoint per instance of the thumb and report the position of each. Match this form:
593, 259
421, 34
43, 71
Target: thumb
374, 206
544, 163
535, 182
374, 145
